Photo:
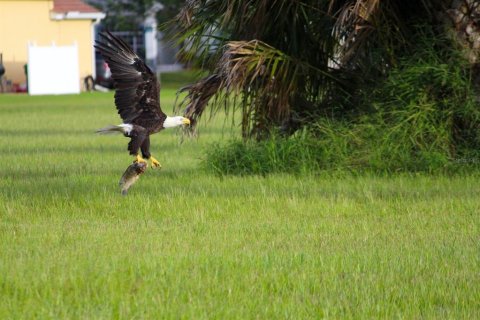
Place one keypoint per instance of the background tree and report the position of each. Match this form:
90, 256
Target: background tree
129, 15
289, 62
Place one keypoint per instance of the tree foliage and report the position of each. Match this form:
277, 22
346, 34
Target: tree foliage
285, 63
129, 15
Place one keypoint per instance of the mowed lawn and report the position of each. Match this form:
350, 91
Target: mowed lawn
186, 244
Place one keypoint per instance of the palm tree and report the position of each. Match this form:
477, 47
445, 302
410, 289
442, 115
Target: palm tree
462, 20
284, 63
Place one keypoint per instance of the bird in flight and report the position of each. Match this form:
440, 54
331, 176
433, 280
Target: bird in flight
137, 98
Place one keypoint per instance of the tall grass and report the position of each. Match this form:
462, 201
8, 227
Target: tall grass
294, 155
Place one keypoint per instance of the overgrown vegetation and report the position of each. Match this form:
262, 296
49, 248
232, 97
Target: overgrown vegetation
423, 116
395, 95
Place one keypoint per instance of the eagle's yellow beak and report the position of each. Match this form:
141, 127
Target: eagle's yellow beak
186, 121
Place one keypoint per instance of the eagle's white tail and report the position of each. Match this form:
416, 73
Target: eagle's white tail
124, 128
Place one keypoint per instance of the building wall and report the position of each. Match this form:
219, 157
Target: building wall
28, 21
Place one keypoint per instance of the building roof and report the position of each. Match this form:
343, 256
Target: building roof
63, 6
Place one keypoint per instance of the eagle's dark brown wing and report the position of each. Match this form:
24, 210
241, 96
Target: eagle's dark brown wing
136, 86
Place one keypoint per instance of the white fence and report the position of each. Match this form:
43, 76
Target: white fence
53, 70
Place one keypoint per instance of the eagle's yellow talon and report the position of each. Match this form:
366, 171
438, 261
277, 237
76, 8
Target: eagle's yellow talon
155, 163
139, 159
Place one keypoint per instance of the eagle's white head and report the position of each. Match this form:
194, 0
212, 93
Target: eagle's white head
171, 122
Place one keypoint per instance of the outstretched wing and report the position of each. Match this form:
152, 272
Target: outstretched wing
136, 86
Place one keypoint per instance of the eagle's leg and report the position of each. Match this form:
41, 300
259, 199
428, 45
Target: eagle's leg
138, 158
145, 147
138, 137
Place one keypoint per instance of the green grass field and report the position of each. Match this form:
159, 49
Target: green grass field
185, 244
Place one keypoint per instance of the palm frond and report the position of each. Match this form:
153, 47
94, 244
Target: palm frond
197, 98
285, 58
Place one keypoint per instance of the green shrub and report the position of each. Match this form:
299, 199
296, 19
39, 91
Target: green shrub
422, 117
425, 115
296, 154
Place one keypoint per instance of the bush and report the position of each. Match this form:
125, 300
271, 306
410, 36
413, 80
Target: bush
423, 117
296, 154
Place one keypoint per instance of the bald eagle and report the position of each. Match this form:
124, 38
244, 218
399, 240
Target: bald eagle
137, 97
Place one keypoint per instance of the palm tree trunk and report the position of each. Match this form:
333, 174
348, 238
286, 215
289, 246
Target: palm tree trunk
462, 21
461, 18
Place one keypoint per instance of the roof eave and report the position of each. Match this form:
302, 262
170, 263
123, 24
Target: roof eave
76, 15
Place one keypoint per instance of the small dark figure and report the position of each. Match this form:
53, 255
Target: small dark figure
2, 72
